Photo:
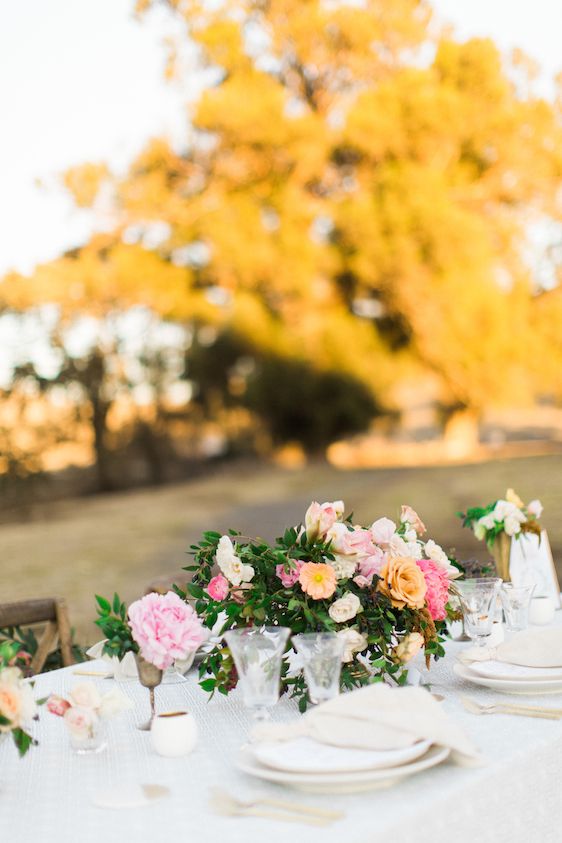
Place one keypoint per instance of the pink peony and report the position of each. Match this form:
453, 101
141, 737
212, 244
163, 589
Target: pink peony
362, 582
218, 587
437, 583
165, 628
289, 577
56, 705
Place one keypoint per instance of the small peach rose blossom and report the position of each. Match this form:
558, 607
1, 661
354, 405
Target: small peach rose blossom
317, 580
10, 704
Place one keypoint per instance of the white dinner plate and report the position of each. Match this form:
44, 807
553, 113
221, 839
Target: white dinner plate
509, 686
340, 782
502, 670
305, 755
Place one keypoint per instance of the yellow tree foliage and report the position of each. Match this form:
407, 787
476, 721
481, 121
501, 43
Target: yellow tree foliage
345, 159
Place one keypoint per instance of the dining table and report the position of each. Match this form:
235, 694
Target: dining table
52, 794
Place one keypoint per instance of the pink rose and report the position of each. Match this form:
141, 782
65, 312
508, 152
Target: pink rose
535, 508
289, 577
218, 588
57, 705
437, 582
80, 721
383, 530
362, 582
165, 628
320, 517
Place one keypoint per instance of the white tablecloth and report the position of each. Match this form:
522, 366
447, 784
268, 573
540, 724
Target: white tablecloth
46, 797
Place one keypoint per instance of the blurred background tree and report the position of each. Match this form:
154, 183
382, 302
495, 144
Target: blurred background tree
353, 209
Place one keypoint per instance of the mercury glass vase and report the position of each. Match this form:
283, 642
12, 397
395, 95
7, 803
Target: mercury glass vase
150, 677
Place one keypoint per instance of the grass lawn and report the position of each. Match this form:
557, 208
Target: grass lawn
121, 542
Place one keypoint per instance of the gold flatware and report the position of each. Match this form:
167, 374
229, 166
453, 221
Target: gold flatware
227, 805
90, 673
511, 708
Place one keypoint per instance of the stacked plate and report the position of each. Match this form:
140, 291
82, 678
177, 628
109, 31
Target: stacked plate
512, 678
306, 764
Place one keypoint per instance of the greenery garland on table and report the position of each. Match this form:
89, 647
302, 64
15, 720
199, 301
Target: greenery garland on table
382, 588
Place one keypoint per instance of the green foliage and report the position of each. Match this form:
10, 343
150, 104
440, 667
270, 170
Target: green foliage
112, 620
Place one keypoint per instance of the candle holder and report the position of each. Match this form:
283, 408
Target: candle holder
150, 677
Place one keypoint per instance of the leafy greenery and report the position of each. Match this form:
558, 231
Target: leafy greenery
269, 602
112, 620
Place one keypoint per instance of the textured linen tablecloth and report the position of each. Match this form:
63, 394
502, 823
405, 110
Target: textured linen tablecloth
47, 796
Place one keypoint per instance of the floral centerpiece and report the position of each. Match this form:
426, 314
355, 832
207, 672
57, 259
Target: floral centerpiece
17, 704
499, 522
85, 708
381, 588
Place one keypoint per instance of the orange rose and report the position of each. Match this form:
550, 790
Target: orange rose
403, 582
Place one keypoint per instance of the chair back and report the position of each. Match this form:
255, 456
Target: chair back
49, 611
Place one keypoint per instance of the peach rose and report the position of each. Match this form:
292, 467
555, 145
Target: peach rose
10, 704
403, 582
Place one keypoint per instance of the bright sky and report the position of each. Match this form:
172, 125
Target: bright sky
81, 80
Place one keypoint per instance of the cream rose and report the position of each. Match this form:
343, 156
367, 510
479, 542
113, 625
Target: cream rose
436, 553
403, 582
345, 608
85, 695
407, 648
353, 642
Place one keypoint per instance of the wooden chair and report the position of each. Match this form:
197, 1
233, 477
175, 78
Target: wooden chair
51, 612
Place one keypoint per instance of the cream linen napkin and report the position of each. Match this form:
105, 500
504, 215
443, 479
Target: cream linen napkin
530, 648
376, 717
120, 670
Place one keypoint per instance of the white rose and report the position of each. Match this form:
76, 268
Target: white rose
345, 608
28, 704
410, 535
353, 642
114, 702
344, 566
85, 695
382, 530
511, 526
535, 508
487, 521
397, 546
479, 531
436, 553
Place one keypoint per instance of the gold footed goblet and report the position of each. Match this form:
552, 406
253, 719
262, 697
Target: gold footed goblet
150, 676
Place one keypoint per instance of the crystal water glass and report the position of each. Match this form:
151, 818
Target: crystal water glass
516, 600
478, 601
258, 654
321, 653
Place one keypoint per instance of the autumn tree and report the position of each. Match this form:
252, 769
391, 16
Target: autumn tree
355, 198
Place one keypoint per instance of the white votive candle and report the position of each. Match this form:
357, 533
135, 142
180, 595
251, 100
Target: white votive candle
174, 733
541, 610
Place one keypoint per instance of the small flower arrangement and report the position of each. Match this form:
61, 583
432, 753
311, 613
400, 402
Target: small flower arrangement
382, 589
17, 704
507, 515
85, 707
163, 628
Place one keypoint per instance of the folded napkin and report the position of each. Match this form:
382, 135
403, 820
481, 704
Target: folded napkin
530, 648
126, 668
376, 717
